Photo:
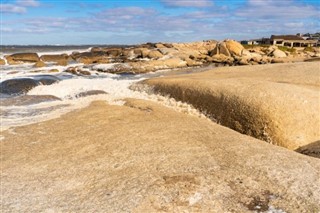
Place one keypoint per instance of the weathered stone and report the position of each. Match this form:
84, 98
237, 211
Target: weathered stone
234, 47
84, 72
159, 45
154, 54
22, 58
2, 61
277, 60
262, 101
39, 64
278, 54
141, 52
17, 86
54, 58
46, 79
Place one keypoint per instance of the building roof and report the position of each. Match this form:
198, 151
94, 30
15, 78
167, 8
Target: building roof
286, 37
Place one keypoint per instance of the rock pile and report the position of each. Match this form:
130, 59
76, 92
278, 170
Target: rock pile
151, 57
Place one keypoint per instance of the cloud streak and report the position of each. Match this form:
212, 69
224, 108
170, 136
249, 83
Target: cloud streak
132, 24
19, 7
187, 3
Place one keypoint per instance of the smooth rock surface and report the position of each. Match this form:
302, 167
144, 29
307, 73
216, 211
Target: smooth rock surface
278, 103
143, 157
17, 86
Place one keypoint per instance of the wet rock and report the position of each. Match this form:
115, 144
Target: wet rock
84, 72
90, 57
22, 58
61, 60
91, 92
17, 86
47, 79
2, 62
72, 70
39, 64
27, 100
77, 71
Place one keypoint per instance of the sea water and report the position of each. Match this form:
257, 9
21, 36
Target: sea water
116, 89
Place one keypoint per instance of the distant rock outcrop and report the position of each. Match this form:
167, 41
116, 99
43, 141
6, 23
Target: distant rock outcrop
18, 58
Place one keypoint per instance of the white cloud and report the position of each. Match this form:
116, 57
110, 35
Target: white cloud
20, 6
127, 11
187, 3
11, 8
28, 3
275, 9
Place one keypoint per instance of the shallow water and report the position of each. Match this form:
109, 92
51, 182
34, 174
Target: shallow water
67, 94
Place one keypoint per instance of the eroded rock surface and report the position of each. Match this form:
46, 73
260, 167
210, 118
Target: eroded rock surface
277, 103
146, 158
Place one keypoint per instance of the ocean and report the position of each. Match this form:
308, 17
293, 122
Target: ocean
67, 92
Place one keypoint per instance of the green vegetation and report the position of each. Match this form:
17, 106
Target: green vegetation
309, 49
289, 49
247, 46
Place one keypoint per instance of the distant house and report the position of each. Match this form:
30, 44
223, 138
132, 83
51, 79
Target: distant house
256, 41
292, 41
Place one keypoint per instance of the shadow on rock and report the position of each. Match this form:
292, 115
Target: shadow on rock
312, 149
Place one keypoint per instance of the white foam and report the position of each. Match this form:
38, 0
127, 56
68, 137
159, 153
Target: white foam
69, 88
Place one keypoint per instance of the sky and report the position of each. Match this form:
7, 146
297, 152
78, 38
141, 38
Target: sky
26, 22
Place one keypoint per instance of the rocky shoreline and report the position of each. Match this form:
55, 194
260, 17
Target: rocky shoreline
145, 157
151, 57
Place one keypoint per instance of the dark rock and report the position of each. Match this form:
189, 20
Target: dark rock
91, 92
46, 79
312, 149
27, 100
84, 72
17, 86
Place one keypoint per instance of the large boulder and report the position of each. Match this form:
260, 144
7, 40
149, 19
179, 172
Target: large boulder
90, 57
221, 48
39, 64
141, 52
46, 79
234, 47
17, 86
227, 48
18, 58
277, 103
278, 54
2, 61
61, 59
114, 52
154, 54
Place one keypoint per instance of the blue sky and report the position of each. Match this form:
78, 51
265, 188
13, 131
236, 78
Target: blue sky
140, 21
